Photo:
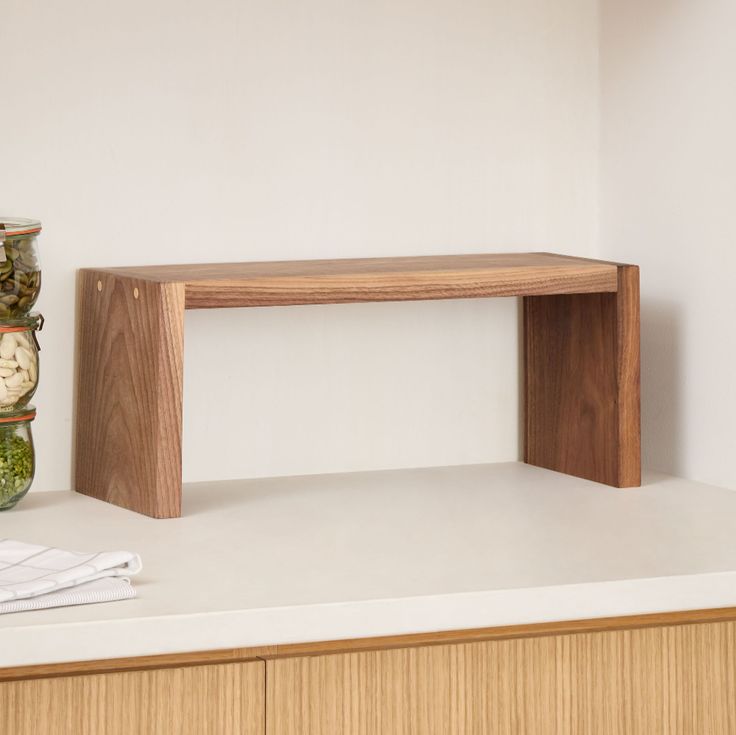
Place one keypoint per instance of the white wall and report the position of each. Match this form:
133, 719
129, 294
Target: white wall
668, 202
162, 131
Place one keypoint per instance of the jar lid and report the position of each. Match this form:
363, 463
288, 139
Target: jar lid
19, 225
28, 413
31, 321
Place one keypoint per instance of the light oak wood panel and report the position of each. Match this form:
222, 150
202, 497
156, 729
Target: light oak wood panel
223, 699
279, 283
582, 383
676, 680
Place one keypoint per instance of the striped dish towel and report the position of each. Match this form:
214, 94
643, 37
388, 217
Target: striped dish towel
34, 577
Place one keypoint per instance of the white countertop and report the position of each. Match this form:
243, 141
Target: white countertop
286, 560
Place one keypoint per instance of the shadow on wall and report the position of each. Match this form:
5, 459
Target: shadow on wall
661, 386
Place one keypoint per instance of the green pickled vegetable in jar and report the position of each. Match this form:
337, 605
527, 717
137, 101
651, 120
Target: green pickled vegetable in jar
17, 456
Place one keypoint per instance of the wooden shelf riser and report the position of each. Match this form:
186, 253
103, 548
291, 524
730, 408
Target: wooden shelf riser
581, 386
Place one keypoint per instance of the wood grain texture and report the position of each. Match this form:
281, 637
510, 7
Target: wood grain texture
380, 279
134, 663
656, 681
582, 402
129, 392
383, 643
628, 377
204, 700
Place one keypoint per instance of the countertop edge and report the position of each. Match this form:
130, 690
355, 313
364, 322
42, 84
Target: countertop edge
28, 645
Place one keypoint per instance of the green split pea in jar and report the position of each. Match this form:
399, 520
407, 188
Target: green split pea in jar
17, 456
20, 272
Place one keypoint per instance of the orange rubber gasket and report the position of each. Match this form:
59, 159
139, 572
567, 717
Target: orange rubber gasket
26, 417
17, 329
15, 233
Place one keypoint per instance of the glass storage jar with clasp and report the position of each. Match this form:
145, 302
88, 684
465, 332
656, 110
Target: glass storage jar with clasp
17, 456
18, 361
20, 272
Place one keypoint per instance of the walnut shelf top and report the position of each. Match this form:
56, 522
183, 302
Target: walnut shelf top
283, 283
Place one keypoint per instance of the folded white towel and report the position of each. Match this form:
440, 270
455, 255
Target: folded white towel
29, 572
107, 589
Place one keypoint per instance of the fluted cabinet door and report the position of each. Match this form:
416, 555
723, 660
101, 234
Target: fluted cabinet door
218, 699
676, 680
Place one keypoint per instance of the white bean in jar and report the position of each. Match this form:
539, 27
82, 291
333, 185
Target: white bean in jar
18, 362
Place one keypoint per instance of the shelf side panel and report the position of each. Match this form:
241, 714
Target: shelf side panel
129, 392
582, 383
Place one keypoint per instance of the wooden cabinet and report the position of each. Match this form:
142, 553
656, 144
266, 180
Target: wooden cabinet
220, 699
670, 674
677, 680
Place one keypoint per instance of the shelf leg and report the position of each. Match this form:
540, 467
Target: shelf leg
130, 344
582, 398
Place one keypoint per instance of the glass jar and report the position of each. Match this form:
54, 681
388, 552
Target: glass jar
20, 272
17, 456
18, 361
